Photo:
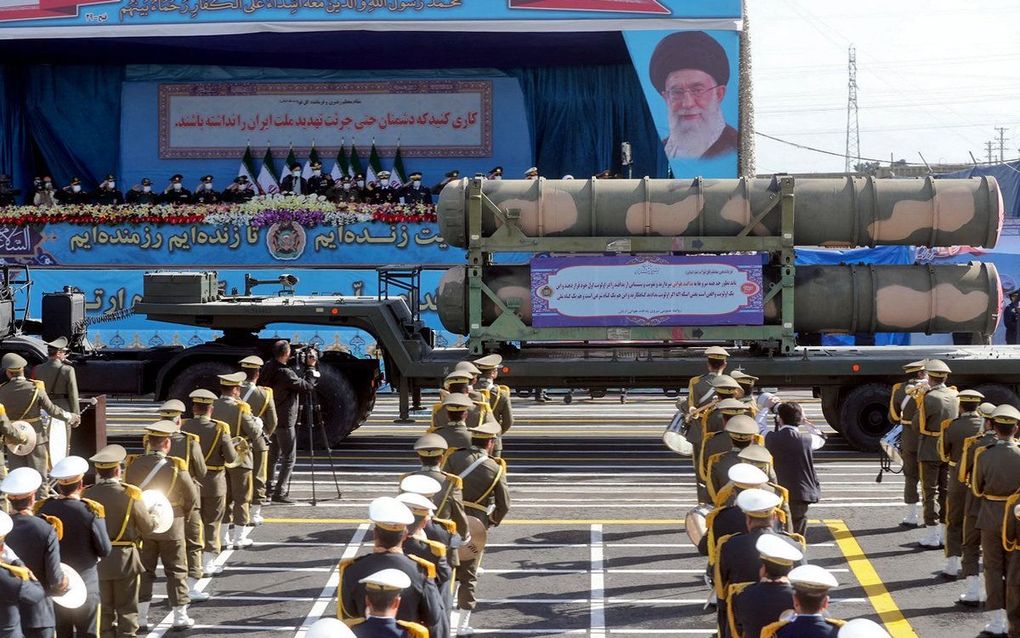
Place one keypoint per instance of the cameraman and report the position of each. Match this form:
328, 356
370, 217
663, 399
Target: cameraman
287, 390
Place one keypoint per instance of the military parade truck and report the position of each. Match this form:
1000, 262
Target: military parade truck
731, 241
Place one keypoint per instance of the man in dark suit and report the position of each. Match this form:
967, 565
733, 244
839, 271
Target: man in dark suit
794, 463
287, 388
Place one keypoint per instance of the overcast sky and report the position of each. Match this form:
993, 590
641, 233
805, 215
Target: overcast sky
935, 76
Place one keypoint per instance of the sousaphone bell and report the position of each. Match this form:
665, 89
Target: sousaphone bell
159, 508
28, 433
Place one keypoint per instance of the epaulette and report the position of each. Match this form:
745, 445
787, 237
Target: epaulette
770, 631
243, 407
221, 426
346, 562
95, 507
720, 592
132, 491
38, 505
835, 622
734, 591
267, 390
782, 492
457, 481
436, 548
429, 567
193, 437
21, 572
800, 539
39, 384
414, 630
504, 388
501, 461
58, 525
3, 410
446, 523
129, 459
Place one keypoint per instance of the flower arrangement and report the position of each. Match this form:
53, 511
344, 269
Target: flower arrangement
264, 210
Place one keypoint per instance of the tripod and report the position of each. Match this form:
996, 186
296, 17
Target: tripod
310, 417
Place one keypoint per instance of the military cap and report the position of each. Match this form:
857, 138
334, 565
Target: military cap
755, 454
21, 481
467, 366
383, 174
359, 176
414, 175
431, 445
986, 410
252, 362
452, 174
69, 470
774, 549
688, 50
241, 179
485, 430
173, 407
316, 165
725, 382
743, 377
746, 475
741, 425
231, 380
862, 628
758, 503
531, 171
161, 428
498, 170
60, 343
812, 579
416, 502
110, 177
457, 376
109, 456
202, 395
329, 628
6, 524
420, 484
386, 580
389, 514
75, 180
936, 368
146, 181
488, 362
457, 401
207, 179
730, 405
716, 352
915, 366
12, 361
1006, 413
177, 178
971, 395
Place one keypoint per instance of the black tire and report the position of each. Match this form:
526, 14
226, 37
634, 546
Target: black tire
568, 398
365, 409
199, 375
524, 393
338, 405
597, 394
830, 408
998, 394
864, 416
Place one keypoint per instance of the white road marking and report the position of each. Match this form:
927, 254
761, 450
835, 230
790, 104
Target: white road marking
330, 589
597, 609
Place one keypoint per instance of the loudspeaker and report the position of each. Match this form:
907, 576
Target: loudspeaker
63, 315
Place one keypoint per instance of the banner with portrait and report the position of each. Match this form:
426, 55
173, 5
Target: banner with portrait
691, 81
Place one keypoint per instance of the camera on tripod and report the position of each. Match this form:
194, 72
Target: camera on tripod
306, 359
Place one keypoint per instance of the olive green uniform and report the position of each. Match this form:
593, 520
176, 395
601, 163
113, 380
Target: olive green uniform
939, 405
119, 573
23, 399
971, 542
954, 435
449, 500
260, 399
498, 398
187, 446
700, 391
61, 386
217, 450
1011, 545
996, 478
237, 415
903, 409
8, 434
475, 415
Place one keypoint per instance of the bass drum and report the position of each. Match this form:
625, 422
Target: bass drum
696, 523
892, 444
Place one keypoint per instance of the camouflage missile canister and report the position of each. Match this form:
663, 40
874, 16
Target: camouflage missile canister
861, 298
837, 212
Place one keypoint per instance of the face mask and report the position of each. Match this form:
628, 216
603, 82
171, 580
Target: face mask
177, 186
498, 177
316, 173
208, 187
111, 185
76, 188
416, 183
49, 186
347, 186
146, 189
296, 173
361, 183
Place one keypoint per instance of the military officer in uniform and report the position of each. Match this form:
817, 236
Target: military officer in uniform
142, 195
419, 544
263, 408
755, 605
450, 176
414, 192
486, 496
811, 585
726, 518
708, 418
83, 541
996, 478
436, 529
36, 542
157, 470
23, 400
107, 193
383, 193
936, 406
383, 591
498, 396
968, 424
716, 442
58, 378
1011, 543
239, 191
218, 451
205, 193
187, 446
903, 410
8, 434
974, 594
700, 389
73, 194
18, 587
245, 429
449, 420
175, 193
127, 521
319, 184
741, 430
430, 449
420, 602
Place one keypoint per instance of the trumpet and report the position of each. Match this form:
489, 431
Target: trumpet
242, 447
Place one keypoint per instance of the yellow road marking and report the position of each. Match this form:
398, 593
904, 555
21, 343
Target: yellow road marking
895, 623
550, 521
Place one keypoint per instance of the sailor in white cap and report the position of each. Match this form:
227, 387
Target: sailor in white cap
18, 590
811, 585
441, 530
23, 399
59, 379
383, 591
940, 405
727, 518
83, 541
420, 602
36, 542
497, 396
237, 414
755, 605
431, 450
903, 410
862, 628
260, 399
418, 543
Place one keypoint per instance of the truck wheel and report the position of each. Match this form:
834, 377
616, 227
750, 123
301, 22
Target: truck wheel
830, 408
998, 394
864, 416
338, 405
366, 409
199, 375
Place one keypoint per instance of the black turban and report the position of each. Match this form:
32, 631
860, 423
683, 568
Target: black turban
688, 50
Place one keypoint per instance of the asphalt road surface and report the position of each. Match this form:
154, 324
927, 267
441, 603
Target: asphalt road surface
594, 543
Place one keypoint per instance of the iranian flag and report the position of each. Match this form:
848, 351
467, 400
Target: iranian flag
313, 157
291, 159
356, 168
374, 164
266, 181
341, 166
247, 168
398, 176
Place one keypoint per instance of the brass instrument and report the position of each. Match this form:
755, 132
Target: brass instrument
243, 449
